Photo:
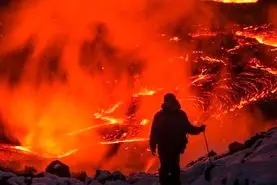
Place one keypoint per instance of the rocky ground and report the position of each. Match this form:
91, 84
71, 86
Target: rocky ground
253, 162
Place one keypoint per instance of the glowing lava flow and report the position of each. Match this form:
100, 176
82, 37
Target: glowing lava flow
236, 1
223, 79
267, 38
124, 141
28, 151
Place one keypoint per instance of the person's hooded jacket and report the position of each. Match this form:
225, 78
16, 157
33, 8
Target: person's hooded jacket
170, 127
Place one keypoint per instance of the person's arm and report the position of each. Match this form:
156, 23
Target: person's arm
154, 134
191, 129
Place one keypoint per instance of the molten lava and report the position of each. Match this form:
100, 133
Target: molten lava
268, 38
236, 1
81, 81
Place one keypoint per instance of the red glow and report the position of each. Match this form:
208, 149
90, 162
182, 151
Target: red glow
108, 85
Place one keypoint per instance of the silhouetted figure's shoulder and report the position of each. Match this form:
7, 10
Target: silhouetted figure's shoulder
183, 113
159, 115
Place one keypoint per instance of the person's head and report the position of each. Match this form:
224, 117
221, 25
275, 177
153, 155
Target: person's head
169, 97
170, 102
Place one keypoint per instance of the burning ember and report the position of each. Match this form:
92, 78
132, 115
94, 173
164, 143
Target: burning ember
82, 81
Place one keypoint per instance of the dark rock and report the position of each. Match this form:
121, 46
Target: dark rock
93, 182
198, 160
135, 177
272, 129
40, 174
50, 176
250, 142
117, 175
245, 157
208, 170
2, 182
117, 182
236, 146
58, 168
6, 175
212, 153
29, 171
44, 181
89, 180
28, 180
132, 180
224, 181
81, 176
69, 181
102, 176
190, 164
18, 180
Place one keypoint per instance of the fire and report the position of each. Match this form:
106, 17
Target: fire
125, 141
86, 77
145, 92
236, 1
144, 122
269, 38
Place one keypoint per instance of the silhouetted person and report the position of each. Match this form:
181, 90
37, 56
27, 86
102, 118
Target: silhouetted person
168, 133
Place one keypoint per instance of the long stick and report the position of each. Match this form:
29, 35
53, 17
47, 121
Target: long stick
207, 146
206, 141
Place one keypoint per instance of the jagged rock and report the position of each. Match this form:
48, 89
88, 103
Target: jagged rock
90, 181
82, 176
75, 181
95, 183
28, 180
39, 175
196, 161
117, 182
63, 181
208, 170
200, 181
51, 176
212, 153
103, 176
6, 175
135, 177
19, 180
67, 181
132, 180
259, 167
58, 168
236, 146
147, 181
250, 142
44, 181
271, 130
29, 171
117, 175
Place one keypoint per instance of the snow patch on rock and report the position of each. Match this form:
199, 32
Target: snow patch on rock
251, 163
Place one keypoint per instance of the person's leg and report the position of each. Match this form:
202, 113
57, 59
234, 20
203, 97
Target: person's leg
175, 172
164, 171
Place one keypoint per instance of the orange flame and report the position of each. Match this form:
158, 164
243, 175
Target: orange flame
83, 62
236, 1
267, 38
